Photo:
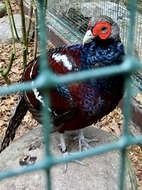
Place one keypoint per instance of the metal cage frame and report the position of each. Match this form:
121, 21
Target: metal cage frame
47, 79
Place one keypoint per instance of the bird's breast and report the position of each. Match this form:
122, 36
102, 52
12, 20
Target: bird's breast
94, 101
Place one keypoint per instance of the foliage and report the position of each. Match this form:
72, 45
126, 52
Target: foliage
25, 34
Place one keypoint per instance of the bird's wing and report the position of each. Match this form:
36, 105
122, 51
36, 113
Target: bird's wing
62, 61
65, 59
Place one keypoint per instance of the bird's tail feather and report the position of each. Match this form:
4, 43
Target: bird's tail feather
19, 113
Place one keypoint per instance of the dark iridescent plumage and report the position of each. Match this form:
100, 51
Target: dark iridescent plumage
77, 105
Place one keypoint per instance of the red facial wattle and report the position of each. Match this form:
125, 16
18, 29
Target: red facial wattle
98, 30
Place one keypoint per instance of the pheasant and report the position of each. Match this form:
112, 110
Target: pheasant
76, 105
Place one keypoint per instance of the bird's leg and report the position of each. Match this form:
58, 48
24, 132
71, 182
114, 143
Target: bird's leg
63, 144
65, 153
84, 142
63, 148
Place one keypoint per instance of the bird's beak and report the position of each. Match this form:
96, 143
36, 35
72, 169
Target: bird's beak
88, 37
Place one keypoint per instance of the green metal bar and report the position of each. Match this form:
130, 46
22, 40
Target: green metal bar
128, 65
46, 162
127, 104
16, 88
47, 80
44, 66
16, 172
120, 144
49, 184
126, 112
122, 168
128, 93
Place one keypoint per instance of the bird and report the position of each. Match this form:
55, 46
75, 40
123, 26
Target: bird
76, 105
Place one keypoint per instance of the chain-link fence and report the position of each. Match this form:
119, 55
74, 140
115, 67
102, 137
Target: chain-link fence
46, 80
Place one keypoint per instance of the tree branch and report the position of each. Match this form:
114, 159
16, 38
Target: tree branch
12, 17
25, 42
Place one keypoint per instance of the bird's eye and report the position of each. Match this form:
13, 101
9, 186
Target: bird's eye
104, 28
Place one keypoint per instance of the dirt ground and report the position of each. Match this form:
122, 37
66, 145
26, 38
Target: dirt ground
111, 123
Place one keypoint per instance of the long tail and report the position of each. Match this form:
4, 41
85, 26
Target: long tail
19, 113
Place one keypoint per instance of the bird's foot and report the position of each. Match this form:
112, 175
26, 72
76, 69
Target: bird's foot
84, 142
65, 153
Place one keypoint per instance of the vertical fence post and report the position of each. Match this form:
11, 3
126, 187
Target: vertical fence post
43, 68
127, 90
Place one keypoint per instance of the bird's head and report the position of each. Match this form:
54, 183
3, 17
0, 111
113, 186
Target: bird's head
102, 28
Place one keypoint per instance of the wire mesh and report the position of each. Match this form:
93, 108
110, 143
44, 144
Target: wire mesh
129, 66
76, 14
